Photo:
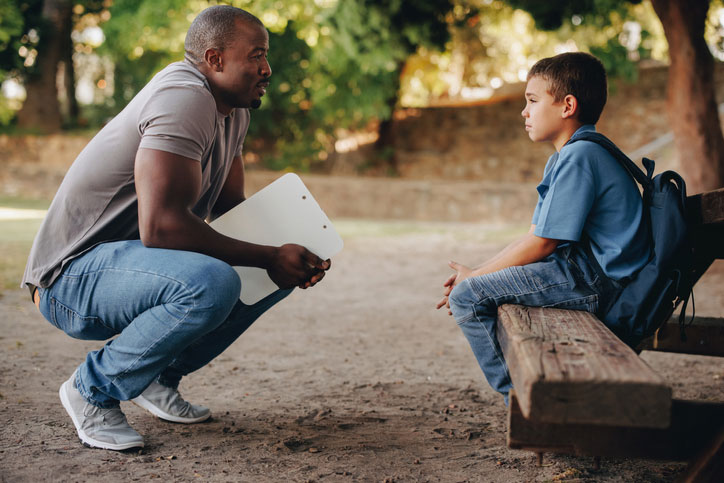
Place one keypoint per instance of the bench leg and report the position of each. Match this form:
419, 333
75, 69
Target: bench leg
708, 465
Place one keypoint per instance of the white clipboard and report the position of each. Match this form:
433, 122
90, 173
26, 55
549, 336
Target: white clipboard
282, 212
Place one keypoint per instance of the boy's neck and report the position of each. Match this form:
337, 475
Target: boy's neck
567, 130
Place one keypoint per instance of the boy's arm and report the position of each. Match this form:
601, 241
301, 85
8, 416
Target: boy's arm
527, 249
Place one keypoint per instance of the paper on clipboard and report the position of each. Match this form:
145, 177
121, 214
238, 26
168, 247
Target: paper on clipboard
282, 212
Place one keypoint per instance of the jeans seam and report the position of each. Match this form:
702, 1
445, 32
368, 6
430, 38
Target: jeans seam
158, 340
482, 300
188, 291
54, 303
492, 342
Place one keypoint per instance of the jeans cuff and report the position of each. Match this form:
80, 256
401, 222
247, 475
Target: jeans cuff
88, 396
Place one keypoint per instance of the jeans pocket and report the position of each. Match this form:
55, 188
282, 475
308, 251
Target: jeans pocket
76, 325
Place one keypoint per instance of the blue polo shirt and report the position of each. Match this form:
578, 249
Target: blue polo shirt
585, 191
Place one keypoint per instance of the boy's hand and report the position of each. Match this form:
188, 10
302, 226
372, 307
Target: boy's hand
461, 273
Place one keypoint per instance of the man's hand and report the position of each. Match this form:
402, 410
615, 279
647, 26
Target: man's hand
295, 266
461, 273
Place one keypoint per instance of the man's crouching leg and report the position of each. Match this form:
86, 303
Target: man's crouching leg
157, 301
162, 399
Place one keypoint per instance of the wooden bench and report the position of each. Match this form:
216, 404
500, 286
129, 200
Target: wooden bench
580, 390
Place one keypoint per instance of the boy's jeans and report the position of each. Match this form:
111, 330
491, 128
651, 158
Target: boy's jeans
564, 279
172, 311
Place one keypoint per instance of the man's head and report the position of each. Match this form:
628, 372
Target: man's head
564, 92
229, 46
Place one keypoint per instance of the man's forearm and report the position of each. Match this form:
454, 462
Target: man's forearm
186, 231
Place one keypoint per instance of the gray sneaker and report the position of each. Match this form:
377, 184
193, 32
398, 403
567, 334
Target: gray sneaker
98, 427
167, 403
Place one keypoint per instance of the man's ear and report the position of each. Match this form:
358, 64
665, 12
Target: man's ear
213, 58
570, 106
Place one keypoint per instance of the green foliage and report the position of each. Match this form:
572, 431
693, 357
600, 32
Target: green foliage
11, 24
599, 14
142, 37
339, 68
336, 66
614, 57
17, 19
553, 15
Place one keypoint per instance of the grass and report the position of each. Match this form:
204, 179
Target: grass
16, 238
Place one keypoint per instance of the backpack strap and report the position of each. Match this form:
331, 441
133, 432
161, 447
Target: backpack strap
644, 179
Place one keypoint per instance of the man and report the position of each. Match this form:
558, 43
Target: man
124, 250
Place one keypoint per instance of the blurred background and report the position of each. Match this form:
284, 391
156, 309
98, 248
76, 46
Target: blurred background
390, 109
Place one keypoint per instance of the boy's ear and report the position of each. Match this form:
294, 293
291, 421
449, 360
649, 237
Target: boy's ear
570, 106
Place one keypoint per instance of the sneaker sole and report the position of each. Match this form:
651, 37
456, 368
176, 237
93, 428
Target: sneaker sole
159, 413
94, 443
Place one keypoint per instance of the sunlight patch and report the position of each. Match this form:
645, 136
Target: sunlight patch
19, 214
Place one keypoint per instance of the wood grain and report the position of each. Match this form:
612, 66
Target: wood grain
567, 367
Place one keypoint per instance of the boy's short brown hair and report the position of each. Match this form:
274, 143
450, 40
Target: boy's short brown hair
577, 73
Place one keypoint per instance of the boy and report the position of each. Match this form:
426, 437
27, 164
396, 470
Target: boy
588, 205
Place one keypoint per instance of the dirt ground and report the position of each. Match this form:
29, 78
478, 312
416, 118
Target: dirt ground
357, 379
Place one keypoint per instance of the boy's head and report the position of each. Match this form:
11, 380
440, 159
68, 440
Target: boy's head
563, 93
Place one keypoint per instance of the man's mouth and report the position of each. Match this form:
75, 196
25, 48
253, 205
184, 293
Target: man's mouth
262, 86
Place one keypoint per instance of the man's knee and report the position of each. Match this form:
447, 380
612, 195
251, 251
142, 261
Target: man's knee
211, 285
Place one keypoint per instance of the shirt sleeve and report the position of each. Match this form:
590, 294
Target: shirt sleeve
562, 212
542, 187
179, 119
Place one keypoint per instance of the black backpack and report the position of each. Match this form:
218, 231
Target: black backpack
654, 292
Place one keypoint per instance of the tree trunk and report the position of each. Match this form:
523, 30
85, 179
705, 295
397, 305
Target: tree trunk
691, 95
41, 109
385, 144
69, 74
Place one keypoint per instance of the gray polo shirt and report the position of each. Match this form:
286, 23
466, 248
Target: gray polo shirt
97, 201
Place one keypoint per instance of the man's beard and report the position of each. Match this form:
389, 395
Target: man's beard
256, 104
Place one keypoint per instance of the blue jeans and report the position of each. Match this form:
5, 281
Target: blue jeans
564, 279
172, 312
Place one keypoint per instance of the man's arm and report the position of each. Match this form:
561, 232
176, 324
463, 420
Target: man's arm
527, 249
168, 185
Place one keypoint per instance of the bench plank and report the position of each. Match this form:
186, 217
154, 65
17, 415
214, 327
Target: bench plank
695, 427
705, 337
706, 208
567, 367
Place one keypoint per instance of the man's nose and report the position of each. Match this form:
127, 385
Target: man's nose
266, 70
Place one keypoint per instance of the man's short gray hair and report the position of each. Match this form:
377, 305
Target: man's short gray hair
213, 28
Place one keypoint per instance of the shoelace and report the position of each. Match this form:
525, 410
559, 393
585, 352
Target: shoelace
110, 417
177, 401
